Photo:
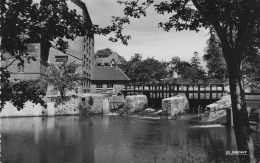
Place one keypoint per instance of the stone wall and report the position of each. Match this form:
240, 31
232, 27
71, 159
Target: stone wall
68, 107
218, 109
116, 101
30, 109
136, 103
83, 104
74, 105
175, 105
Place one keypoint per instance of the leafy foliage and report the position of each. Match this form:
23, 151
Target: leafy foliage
214, 57
196, 71
183, 69
139, 70
195, 60
172, 66
64, 78
49, 23
21, 92
103, 53
192, 71
251, 66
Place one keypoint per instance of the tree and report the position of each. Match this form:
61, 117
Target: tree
103, 53
153, 69
132, 67
195, 60
183, 69
215, 60
196, 71
49, 23
191, 71
172, 66
64, 77
22, 91
237, 25
196, 74
251, 66
139, 70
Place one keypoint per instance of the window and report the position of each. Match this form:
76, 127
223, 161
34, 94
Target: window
99, 86
61, 58
109, 85
20, 68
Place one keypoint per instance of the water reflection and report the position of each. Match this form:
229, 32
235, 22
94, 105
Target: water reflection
112, 139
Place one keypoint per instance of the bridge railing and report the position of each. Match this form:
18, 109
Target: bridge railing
193, 91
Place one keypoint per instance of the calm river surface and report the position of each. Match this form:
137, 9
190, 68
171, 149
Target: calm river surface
113, 139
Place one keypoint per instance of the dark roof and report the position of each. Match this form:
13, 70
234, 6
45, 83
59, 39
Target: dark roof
108, 73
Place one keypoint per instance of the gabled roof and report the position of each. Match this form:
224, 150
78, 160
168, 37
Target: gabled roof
109, 73
114, 56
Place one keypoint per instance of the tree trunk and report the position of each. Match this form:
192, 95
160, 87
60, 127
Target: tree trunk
240, 114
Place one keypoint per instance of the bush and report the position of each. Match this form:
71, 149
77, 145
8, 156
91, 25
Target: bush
20, 92
84, 108
90, 100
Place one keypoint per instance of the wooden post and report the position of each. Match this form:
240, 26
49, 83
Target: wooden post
187, 92
205, 89
170, 89
155, 91
193, 91
125, 90
210, 96
199, 92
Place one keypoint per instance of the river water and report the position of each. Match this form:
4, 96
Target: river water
114, 139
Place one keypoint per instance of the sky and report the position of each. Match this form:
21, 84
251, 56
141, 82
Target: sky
146, 38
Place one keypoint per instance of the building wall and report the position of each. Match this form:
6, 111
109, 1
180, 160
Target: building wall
82, 48
116, 87
32, 70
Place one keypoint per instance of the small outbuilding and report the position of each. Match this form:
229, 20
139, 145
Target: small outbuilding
108, 79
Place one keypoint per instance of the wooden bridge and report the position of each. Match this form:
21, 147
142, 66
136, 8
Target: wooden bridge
193, 91
201, 94
197, 94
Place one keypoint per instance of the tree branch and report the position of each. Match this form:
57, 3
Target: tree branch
10, 64
213, 19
